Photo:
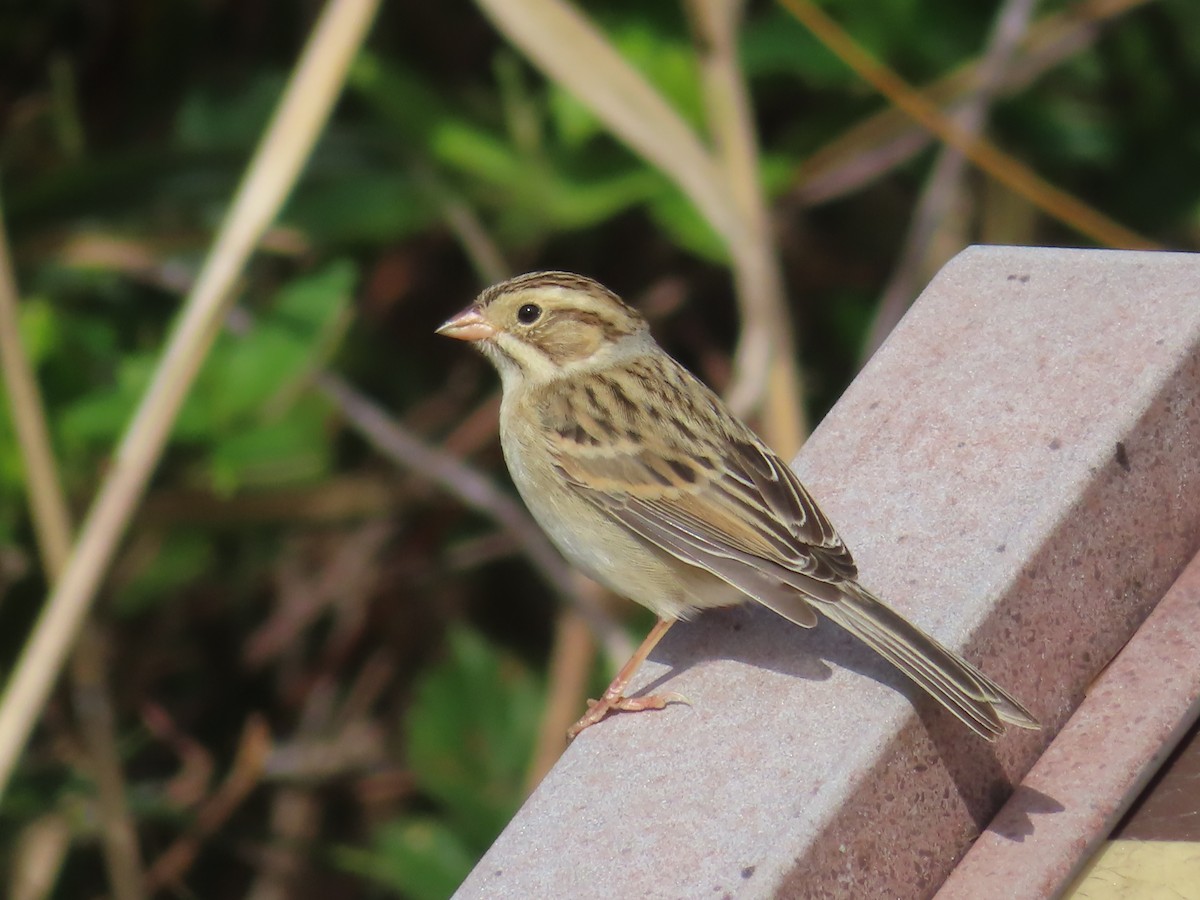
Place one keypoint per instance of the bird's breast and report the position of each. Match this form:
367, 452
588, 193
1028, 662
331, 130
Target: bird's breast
593, 541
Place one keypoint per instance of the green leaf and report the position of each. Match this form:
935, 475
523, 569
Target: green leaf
480, 153
361, 207
243, 373
419, 857
292, 449
99, 416
470, 735
182, 557
406, 100
775, 43
573, 122
246, 407
536, 196
211, 120
574, 204
12, 477
41, 329
680, 220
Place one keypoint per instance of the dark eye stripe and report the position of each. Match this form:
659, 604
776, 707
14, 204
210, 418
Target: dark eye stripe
611, 330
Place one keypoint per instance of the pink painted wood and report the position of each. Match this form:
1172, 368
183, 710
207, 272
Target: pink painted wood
1131, 719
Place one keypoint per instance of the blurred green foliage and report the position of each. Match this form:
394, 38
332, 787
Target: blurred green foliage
470, 737
126, 128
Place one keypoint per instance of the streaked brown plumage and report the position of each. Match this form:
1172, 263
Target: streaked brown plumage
645, 481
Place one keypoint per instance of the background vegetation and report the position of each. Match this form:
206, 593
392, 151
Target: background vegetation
326, 660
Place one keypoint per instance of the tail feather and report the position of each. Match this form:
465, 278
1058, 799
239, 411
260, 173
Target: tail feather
970, 695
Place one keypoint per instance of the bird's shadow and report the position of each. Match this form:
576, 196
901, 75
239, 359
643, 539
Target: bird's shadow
758, 637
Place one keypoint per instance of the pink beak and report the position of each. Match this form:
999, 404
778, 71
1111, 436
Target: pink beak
468, 325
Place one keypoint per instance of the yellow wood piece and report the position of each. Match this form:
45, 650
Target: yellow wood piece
1140, 870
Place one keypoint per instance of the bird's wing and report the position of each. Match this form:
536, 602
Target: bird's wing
687, 477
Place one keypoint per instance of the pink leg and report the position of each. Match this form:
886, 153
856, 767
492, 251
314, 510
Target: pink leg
613, 699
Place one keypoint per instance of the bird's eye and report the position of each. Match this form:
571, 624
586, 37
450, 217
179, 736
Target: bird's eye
528, 314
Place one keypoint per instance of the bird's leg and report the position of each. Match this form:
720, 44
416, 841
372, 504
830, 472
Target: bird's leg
614, 699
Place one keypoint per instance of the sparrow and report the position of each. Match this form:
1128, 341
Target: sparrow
645, 481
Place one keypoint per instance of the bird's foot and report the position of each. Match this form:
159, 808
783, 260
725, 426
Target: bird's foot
613, 702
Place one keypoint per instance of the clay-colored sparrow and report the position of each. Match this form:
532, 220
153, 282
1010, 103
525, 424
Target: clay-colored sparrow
647, 483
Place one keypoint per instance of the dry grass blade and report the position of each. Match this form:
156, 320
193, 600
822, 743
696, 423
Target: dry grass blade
765, 366
51, 517
1015, 175
52, 525
559, 39
37, 857
923, 252
889, 138
302, 111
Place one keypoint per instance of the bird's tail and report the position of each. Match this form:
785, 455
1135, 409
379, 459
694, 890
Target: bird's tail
960, 687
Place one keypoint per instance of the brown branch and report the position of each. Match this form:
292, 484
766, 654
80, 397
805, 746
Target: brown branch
481, 249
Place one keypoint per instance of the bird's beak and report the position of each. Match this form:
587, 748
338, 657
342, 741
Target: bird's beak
468, 325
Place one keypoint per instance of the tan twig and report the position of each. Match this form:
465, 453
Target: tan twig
92, 702
196, 765
1015, 175
48, 504
52, 526
765, 366
293, 130
475, 491
336, 499
475, 428
484, 253
342, 587
922, 254
567, 680
331, 741
244, 775
295, 826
